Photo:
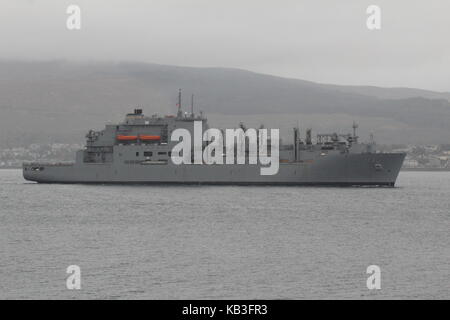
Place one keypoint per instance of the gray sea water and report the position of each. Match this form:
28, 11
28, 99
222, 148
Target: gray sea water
225, 242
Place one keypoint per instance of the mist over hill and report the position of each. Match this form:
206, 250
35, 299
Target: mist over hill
58, 101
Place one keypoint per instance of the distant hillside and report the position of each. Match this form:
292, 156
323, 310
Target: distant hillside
391, 93
58, 101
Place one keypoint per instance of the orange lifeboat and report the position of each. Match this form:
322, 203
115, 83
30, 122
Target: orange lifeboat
149, 138
126, 138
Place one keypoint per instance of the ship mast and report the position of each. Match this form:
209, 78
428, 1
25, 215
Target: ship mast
179, 113
355, 126
296, 143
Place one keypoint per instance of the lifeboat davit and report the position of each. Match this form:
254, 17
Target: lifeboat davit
149, 138
126, 138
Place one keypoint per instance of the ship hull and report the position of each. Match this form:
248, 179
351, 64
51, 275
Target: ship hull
362, 169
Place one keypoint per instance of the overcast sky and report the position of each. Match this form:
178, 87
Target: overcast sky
319, 40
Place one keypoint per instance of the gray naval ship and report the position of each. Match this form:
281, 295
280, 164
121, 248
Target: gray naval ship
138, 150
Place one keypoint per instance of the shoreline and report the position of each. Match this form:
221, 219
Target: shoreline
403, 169
426, 169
